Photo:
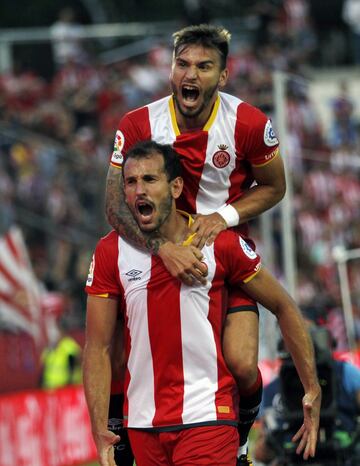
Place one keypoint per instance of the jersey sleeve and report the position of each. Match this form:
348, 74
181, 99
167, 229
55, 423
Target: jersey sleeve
103, 273
255, 136
241, 263
132, 128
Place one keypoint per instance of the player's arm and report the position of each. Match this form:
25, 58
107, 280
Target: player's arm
183, 262
268, 191
265, 289
100, 324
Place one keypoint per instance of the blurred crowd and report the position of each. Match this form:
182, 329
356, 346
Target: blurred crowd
57, 135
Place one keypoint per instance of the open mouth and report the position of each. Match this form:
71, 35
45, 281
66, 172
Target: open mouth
190, 93
144, 208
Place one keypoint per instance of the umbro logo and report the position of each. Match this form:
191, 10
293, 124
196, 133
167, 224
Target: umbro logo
133, 274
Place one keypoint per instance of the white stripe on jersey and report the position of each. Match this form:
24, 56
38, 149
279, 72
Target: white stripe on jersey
222, 131
201, 379
141, 386
161, 127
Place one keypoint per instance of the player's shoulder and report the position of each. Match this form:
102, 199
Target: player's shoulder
230, 240
134, 114
225, 236
244, 110
108, 242
250, 115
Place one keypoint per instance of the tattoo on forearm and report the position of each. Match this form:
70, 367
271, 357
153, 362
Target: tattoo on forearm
120, 217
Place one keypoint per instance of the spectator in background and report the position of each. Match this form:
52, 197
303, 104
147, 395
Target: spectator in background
66, 39
351, 16
61, 360
344, 128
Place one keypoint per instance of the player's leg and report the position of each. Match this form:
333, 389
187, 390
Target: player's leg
122, 450
210, 445
240, 349
147, 448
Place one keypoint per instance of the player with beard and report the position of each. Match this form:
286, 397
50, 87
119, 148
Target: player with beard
225, 145
180, 404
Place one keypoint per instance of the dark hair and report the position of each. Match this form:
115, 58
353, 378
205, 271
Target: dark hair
145, 149
207, 35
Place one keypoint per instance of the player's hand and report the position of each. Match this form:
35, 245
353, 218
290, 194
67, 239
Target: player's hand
207, 227
105, 442
184, 263
308, 432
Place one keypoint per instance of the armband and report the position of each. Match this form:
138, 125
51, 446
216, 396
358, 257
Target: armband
230, 215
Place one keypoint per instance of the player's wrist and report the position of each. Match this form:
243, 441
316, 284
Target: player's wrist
230, 215
164, 248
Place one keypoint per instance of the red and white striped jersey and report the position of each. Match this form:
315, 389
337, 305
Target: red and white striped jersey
176, 374
216, 159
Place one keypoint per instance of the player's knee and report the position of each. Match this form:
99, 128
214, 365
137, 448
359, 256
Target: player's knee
244, 370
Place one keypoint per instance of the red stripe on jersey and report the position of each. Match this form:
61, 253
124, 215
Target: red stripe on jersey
192, 149
242, 178
165, 326
137, 127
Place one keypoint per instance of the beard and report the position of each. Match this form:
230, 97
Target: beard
165, 208
208, 95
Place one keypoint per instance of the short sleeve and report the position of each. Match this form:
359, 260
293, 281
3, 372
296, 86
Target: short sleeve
133, 127
255, 136
241, 263
103, 276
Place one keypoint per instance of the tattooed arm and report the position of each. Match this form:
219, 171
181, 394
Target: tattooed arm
183, 262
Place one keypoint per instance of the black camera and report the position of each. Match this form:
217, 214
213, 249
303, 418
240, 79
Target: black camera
289, 419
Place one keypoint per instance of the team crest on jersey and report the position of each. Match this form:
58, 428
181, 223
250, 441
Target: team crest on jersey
270, 138
221, 158
247, 249
90, 277
119, 142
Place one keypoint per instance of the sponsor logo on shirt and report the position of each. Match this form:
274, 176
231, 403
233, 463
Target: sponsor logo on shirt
270, 138
90, 277
247, 249
221, 158
133, 275
272, 154
119, 142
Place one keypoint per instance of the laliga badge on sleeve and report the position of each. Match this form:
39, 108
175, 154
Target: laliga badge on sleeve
90, 277
119, 142
270, 138
247, 249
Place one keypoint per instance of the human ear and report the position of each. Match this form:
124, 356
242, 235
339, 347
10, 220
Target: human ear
177, 187
224, 74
